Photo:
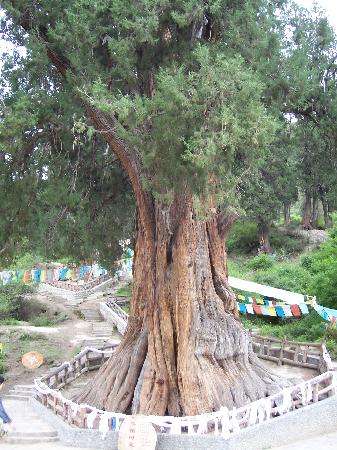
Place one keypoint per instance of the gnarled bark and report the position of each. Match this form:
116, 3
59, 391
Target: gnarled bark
184, 351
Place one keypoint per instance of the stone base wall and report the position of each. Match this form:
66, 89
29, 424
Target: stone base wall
303, 423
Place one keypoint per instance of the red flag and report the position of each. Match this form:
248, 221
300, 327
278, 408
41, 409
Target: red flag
296, 312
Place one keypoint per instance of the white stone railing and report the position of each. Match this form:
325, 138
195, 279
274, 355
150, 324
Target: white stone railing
303, 354
114, 314
310, 355
222, 422
69, 290
117, 310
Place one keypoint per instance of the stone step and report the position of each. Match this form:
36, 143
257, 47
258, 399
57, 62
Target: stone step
97, 345
93, 318
40, 433
22, 398
101, 333
99, 328
98, 333
30, 440
102, 330
98, 340
27, 393
25, 387
93, 309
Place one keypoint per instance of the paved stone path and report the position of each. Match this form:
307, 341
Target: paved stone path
30, 428
43, 446
325, 442
101, 331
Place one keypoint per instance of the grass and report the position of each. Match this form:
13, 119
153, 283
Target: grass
124, 291
308, 328
3, 366
18, 343
296, 271
48, 320
10, 322
285, 274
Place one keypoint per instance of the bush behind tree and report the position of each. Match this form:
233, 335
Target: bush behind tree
11, 300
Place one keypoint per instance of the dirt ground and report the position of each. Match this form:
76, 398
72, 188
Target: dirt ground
57, 343
61, 342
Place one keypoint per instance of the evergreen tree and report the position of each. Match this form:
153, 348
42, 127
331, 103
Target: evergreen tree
272, 185
311, 99
173, 88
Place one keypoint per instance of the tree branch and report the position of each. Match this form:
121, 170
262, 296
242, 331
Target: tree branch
108, 126
226, 220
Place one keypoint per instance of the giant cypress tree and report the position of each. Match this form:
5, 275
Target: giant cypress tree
165, 85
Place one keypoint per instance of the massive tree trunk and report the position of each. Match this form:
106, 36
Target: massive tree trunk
307, 212
184, 352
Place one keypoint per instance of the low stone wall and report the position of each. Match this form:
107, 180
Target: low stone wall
75, 294
45, 288
304, 423
302, 354
112, 318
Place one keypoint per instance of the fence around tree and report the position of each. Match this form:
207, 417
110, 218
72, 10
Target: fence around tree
222, 422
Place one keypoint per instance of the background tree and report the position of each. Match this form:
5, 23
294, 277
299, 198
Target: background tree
311, 99
271, 185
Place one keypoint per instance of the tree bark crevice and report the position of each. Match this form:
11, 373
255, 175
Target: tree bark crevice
197, 356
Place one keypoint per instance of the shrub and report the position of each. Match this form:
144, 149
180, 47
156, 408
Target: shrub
243, 238
10, 322
286, 275
124, 291
262, 261
306, 261
46, 320
309, 328
323, 270
3, 366
11, 300
27, 261
282, 242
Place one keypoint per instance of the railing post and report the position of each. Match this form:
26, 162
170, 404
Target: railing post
83, 416
315, 393
284, 340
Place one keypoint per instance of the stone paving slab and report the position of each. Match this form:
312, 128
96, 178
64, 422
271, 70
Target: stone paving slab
42, 446
324, 442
